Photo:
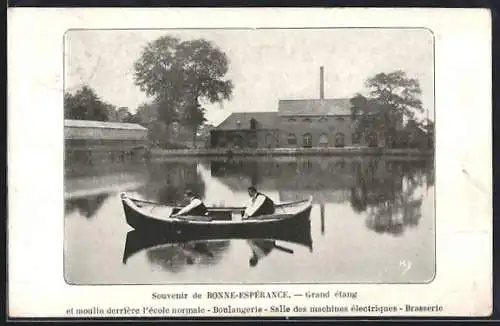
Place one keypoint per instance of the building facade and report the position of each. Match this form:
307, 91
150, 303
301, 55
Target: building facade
297, 123
320, 123
86, 140
247, 130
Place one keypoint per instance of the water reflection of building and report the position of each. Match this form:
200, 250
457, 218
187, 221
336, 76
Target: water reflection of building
167, 181
326, 179
383, 189
92, 185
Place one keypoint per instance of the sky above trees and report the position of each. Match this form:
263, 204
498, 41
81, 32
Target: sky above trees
264, 65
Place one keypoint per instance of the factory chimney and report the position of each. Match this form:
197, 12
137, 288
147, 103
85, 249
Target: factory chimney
321, 82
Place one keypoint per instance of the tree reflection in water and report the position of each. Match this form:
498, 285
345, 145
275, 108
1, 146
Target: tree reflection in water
86, 206
169, 180
386, 189
175, 258
389, 195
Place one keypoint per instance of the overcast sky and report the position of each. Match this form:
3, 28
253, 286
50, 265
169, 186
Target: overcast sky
264, 65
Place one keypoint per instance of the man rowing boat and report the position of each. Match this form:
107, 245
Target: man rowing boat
260, 204
195, 206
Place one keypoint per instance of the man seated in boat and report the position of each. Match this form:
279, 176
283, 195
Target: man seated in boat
259, 205
195, 207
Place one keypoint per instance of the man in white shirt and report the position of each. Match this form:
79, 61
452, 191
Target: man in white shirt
195, 206
260, 204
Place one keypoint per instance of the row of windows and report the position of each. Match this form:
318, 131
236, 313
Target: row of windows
322, 119
323, 139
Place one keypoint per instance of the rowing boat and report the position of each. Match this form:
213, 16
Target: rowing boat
156, 217
137, 241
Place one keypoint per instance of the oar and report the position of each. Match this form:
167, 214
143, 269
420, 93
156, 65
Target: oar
290, 251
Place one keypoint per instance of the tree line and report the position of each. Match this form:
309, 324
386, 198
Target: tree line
85, 104
391, 110
180, 77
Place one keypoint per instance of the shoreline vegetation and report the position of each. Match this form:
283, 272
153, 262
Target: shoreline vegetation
155, 152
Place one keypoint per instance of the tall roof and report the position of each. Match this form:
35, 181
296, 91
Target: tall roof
337, 106
325, 107
241, 120
101, 124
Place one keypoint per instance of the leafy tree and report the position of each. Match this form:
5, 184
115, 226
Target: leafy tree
111, 112
180, 75
193, 118
147, 113
394, 99
85, 105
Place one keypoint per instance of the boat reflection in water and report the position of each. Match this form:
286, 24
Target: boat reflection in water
175, 251
384, 205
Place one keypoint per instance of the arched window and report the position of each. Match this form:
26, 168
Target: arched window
222, 141
269, 140
323, 140
339, 119
339, 140
372, 139
307, 120
323, 119
307, 140
292, 140
291, 120
238, 141
356, 138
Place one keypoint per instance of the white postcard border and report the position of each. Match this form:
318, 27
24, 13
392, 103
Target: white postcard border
463, 282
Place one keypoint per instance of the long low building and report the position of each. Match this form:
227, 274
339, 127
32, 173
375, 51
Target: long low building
84, 138
88, 129
99, 133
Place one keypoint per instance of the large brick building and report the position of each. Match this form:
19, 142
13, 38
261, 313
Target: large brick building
297, 123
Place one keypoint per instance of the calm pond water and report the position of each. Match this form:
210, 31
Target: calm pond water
372, 221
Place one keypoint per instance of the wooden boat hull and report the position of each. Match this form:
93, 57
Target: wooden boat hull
295, 218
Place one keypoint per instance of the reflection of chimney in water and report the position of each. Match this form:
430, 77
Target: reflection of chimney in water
321, 83
322, 212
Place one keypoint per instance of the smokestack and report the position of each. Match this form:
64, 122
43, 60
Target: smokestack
321, 82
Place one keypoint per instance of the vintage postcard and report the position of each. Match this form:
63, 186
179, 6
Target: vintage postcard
222, 163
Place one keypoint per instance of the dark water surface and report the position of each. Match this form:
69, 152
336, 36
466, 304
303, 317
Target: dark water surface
372, 221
